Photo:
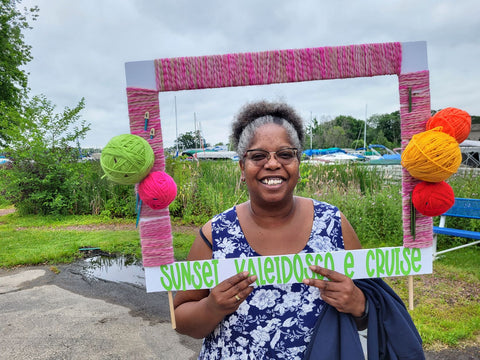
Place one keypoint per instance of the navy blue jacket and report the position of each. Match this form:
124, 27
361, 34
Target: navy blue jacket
391, 331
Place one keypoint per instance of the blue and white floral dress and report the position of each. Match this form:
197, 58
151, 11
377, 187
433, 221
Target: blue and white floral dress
275, 321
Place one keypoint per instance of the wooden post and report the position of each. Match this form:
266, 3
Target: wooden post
172, 312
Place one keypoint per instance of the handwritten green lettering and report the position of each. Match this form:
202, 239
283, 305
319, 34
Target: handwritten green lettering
206, 273
370, 260
164, 271
269, 268
348, 264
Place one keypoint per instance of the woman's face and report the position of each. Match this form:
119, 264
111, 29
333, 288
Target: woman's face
275, 180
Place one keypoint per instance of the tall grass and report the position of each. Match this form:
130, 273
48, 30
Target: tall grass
204, 189
368, 198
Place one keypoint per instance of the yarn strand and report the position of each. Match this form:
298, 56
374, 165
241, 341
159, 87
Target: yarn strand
413, 122
155, 228
278, 66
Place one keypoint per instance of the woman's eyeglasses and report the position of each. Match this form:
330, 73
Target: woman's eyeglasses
260, 157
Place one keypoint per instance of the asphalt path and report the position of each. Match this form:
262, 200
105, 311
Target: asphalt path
44, 315
69, 315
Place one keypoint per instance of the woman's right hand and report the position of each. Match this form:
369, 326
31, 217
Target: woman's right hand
227, 296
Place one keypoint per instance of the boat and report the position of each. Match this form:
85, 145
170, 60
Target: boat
210, 154
375, 155
379, 155
330, 156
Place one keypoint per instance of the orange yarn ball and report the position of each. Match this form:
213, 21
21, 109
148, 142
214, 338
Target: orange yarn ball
433, 199
432, 156
455, 122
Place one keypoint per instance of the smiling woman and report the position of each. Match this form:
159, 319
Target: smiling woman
268, 138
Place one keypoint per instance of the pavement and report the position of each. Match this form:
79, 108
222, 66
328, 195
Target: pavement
60, 313
65, 315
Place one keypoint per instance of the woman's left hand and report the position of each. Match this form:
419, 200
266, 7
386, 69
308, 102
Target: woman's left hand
338, 291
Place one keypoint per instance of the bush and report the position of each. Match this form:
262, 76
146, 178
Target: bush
43, 174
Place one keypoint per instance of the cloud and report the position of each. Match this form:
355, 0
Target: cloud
80, 49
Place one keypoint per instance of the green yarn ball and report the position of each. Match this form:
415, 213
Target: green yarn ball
127, 159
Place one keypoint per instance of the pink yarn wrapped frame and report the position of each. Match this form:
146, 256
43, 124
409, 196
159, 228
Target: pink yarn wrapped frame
279, 66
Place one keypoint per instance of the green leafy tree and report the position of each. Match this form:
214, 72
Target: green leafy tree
190, 140
337, 136
339, 132
357, 144
382, 140
387, 127
14, 54
353, 128
45, 174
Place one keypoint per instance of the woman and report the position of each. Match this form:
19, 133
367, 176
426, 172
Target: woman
238, 319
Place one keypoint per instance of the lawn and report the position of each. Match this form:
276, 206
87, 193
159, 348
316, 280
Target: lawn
446, 303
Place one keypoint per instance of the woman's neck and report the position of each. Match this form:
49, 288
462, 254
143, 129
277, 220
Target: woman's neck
272, 214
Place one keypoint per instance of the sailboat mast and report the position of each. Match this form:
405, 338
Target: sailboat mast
176, 122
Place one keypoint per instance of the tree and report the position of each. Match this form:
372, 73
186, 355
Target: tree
352, 127
339, 132
45, 176
389, 126
190, 140
382, 140
14, 54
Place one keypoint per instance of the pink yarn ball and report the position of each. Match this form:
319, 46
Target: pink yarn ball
157, 190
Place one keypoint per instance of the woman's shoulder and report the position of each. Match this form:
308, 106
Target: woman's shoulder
225, 218
225, 212
318, 204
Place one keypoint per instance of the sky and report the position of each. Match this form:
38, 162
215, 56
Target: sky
80, 48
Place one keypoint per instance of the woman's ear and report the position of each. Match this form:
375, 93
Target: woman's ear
242, 169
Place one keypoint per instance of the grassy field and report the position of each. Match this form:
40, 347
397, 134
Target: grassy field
447, 303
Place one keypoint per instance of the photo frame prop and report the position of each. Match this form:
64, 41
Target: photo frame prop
145, 79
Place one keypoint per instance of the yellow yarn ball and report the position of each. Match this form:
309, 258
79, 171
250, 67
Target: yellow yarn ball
432, 156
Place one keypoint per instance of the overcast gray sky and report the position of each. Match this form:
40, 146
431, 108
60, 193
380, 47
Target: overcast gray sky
80, 49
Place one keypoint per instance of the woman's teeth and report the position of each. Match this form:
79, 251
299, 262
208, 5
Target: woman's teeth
272, 181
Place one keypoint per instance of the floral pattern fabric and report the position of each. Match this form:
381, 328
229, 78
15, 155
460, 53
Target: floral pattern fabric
275, 321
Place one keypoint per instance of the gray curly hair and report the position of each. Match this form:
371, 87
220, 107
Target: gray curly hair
254, 115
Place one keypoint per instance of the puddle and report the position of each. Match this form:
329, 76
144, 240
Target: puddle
116, 269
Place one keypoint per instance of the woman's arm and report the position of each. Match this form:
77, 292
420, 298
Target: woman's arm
198, 312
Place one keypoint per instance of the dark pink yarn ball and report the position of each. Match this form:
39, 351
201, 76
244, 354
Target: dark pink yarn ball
157, 190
